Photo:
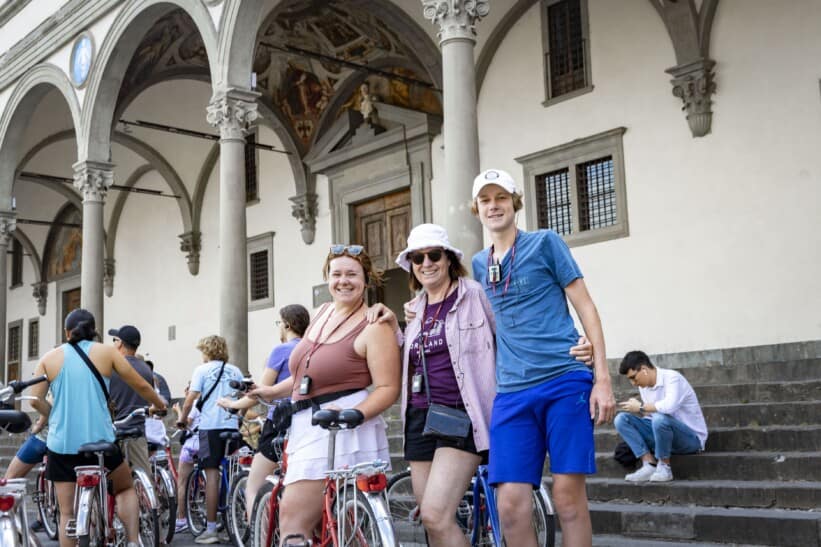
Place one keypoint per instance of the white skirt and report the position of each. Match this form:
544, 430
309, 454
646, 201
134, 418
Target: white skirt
308, 444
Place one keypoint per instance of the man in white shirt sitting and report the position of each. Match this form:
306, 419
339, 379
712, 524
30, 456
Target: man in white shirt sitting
668, 419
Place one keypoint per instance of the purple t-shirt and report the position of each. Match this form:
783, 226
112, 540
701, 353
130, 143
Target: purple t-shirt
278, 360
443, 387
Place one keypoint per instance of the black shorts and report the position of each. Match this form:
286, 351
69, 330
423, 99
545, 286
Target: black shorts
265, 444
212, 448
60, 467
421, 449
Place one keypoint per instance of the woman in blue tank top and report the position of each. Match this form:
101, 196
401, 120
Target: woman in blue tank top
79, 415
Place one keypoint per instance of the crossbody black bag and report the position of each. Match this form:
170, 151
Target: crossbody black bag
210, 391
112, 408
442, 421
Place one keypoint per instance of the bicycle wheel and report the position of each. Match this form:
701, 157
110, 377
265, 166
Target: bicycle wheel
195, 501
47, 505
361, 527
544, 521
237, 515
95, 536
403, 509
261, 515
167, 498
149, 515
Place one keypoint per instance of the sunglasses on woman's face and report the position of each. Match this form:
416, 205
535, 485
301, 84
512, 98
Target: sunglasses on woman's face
418, 258
352, 250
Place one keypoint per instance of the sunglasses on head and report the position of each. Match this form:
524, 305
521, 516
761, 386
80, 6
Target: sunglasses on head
351, 250
418, 258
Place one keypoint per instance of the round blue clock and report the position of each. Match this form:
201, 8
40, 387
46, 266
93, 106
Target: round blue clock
82, 54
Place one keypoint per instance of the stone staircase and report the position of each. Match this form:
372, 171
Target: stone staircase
757, 483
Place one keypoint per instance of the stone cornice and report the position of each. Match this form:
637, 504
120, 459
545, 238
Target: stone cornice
8, 222
51, 35
11, 9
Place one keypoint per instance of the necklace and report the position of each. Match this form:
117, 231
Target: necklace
318, 341
494, 268
422, 333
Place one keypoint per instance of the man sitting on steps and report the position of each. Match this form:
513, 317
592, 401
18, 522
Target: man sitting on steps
668, 419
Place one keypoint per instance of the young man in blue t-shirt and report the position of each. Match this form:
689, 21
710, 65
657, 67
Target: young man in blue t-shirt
546, 400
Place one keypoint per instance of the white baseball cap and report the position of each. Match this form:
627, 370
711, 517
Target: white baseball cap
423, 237
494, 176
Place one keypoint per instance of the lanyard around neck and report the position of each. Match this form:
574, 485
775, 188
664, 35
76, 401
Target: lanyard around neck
509, 271
318, 341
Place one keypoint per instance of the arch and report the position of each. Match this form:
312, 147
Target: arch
496, 38
51, 238
117, 211
28, 247
116, 53
202, 183
239, 27
28, 93
142, 149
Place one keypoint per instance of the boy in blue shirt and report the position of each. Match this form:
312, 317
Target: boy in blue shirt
546, 400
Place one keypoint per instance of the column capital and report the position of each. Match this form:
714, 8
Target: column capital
304, 209
191, 245
694, 83
233, 112
8, 223
93, 179
456, 18
40, 293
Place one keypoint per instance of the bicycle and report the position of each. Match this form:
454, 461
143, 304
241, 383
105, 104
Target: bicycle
355, 511
14, 525
477, 514
45, 496
164, 474
231, 468
95, 522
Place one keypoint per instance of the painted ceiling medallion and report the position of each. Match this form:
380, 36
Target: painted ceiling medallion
82, 55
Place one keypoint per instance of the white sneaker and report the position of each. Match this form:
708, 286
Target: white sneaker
207, 537
663, 473
643, 474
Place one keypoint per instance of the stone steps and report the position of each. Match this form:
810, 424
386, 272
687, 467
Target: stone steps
769, 392
777, 527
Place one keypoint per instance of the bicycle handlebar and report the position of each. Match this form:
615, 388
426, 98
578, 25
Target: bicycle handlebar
16, 386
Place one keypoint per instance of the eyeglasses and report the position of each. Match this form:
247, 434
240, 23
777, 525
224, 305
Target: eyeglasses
633, 377
280, 323
418, 258
351, 250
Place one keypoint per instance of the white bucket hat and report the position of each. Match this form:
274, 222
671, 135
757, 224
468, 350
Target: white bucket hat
423, 237
494, 176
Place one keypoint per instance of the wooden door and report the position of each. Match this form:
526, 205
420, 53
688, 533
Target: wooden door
382, 225
71, 301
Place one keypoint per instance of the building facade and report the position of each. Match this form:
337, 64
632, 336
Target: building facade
183, 165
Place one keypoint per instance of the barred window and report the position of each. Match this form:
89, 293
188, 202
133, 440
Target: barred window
579, 189
34, 339
251, 170
565, 37
259, 275
14, 341
261, 271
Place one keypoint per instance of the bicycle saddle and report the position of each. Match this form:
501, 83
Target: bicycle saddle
231, 435
327, 418
14, 421
89, 449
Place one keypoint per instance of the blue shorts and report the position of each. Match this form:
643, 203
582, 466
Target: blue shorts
32, 450
552, 417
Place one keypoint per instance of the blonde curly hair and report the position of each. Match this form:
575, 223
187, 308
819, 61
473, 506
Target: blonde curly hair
214, 347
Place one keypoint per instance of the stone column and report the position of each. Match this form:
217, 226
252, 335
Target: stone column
8, 223
92, 179
233, 112
457, 34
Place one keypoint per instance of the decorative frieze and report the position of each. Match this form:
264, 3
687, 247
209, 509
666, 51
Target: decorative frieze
40, 294
304, 209
694, 84
93, 179
191, 245
456, 18
233, 114
108, 276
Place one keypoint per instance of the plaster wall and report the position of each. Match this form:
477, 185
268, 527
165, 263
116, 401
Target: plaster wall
725, 241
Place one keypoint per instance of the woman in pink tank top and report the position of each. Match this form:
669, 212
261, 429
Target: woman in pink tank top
339, 357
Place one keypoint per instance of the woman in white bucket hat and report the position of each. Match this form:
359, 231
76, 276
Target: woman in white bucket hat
453, 330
